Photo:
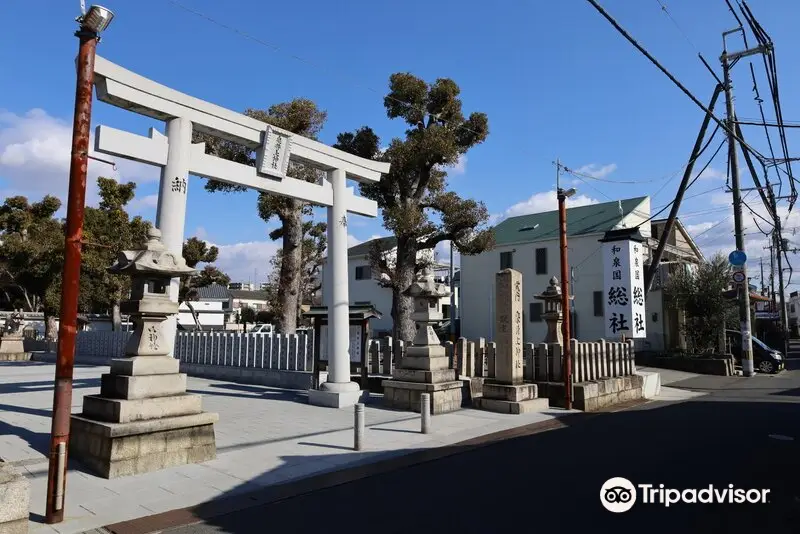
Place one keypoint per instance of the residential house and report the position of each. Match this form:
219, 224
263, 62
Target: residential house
530, 244
365, 287
243, 298
216, 293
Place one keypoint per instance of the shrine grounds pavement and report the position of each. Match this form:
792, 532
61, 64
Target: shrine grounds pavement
265, 437
283, 465
710, 431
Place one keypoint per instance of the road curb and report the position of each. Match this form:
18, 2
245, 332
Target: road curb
226, 505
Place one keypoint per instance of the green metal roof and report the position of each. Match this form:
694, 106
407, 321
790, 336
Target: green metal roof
583, 220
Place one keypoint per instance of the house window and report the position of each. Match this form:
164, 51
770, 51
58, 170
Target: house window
537, 309
541, 261
791, 308
363, 272
598, 303
506, 260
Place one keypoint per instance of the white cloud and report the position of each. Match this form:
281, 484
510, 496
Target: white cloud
459, 168
710, 173
243, 261
200, 233
544, 201
597, 171
35, 157
141, 204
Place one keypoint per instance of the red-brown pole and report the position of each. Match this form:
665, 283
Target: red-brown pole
565, 305
68, 318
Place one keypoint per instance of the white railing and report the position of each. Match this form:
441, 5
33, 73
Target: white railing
232, 349
293, 352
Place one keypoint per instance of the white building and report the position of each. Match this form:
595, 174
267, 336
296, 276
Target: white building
530, 244
242, 286
366, 288
209, 314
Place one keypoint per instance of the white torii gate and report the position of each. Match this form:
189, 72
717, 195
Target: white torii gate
178, 157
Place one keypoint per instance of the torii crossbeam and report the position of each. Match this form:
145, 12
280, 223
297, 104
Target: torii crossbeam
178, 157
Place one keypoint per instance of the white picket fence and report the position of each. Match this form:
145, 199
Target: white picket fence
293, 352
232, 349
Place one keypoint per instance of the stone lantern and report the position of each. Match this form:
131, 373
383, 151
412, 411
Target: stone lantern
427, 295
143, 420
425, 366
553, 314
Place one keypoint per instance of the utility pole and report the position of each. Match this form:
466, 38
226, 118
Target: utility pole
90, 25
763, 285
676, 204
744, 288
452, 300
777, 239
565, 306
771, 272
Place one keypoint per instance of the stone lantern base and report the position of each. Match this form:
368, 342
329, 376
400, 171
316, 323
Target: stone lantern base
424, 369
513, 399
142, 421
12, 348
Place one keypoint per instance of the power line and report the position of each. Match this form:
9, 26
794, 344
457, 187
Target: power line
277, 48
672, 78
688, 40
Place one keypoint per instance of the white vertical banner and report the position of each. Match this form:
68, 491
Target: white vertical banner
623, 273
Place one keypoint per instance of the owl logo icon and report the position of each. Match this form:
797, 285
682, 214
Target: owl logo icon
618, 495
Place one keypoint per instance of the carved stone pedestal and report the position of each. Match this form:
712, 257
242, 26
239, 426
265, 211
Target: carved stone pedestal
143, 420
506, 392
12, 348
425, 368
513, 399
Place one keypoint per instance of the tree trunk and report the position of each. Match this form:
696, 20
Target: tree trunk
50, 330
116, 317
291, 265
402, 305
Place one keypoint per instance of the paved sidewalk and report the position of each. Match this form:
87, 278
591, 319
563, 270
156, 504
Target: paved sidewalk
265, 436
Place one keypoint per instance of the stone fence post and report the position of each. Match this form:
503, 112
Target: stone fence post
491, 357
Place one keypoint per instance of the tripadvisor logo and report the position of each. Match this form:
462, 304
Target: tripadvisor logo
619, 495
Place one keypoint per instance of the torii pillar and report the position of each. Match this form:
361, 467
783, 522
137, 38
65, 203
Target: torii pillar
178, 157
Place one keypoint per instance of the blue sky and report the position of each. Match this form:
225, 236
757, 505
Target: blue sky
555, 79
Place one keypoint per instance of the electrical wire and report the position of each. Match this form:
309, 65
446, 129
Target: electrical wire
688, 40
672, 78
277, 48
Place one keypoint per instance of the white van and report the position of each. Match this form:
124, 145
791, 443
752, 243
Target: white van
262, 329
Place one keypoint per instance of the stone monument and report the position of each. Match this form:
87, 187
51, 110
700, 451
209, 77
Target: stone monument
425, 368
12, 342
553, 314
143, 420
506, 392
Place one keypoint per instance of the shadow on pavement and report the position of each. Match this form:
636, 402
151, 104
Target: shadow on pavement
38, 441
544, 481
46, 385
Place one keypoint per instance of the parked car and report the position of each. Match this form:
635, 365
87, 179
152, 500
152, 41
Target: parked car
765, 358
262, 329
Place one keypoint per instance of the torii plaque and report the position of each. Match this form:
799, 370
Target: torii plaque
178, 157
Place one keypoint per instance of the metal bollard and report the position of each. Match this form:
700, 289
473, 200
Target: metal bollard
425, 410
358, 427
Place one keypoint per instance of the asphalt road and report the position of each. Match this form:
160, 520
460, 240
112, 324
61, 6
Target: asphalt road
735, 435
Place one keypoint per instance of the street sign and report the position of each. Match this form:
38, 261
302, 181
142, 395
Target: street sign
737, 258
739, 277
